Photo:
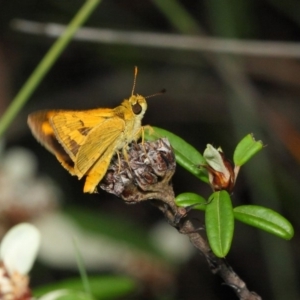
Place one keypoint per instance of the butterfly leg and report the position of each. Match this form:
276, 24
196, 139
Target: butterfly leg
150, 130
142, 134
119, 161
126, 158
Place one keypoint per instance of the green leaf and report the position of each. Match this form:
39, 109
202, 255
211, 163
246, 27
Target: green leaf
188, 199
265, 219
219, 221
65, 294
246, 149
186, 155
102, 287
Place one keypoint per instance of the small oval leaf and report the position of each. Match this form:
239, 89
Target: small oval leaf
265, 219
186, 155
191, 199
246, 149
219, 221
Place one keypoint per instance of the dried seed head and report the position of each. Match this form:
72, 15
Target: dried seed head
143, 173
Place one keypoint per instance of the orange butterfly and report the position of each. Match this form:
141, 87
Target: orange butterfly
85, 141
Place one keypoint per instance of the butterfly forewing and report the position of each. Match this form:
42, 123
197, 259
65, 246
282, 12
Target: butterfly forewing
100, 138
71, 128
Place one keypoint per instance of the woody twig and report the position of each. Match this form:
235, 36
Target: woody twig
146, 175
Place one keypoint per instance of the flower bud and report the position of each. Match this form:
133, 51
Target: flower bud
220, 171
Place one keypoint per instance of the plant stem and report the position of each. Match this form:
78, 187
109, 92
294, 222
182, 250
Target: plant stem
45, 64
82, 270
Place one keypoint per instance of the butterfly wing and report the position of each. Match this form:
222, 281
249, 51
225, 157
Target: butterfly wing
39, 123
79, 138
71, 128
95, 174
101, 142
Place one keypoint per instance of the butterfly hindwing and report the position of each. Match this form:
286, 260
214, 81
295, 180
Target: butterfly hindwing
43, 132
98, 170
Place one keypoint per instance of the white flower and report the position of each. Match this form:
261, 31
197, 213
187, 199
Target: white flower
18, 252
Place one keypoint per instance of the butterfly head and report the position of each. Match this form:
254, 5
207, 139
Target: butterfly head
138, 105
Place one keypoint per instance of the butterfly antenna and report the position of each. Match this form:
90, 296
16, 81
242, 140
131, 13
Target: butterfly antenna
156, 94
134, 79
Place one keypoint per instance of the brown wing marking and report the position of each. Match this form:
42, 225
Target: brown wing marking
41, 129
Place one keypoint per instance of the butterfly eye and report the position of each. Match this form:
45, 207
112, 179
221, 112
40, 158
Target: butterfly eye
136, 108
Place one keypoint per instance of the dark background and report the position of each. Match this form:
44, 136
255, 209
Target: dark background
211, 98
